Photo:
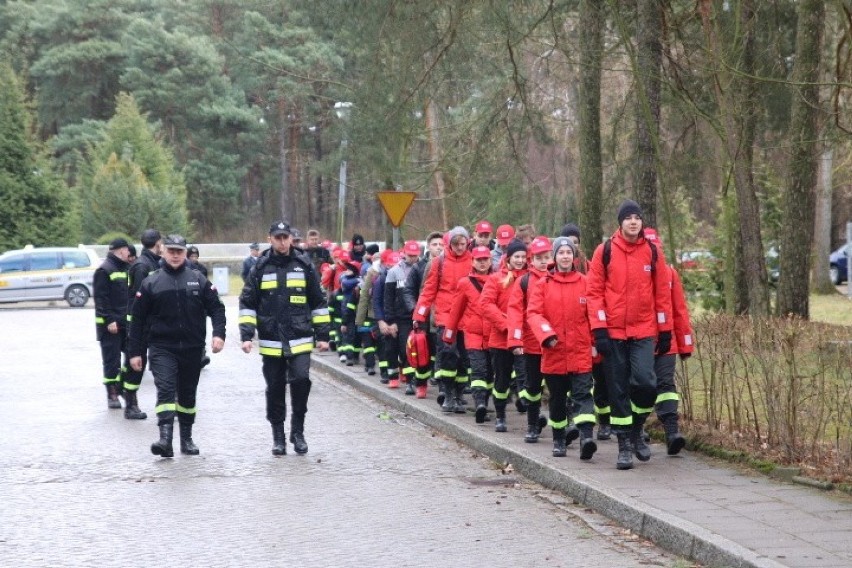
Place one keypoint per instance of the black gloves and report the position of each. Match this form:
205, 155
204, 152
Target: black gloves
603, 344
664, 343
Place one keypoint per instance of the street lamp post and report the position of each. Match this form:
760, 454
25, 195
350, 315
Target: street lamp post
342, 110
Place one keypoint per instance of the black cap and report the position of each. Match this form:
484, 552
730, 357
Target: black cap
118, 243
372, 248
174, 242
131, 249
515, 245
192, 250
296, 234
570, 230
280, 228
150, 238
254, 246
357, 240
628, 207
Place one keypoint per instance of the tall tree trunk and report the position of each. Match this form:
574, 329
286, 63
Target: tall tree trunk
735, 96
294, 167
283, 168
800, 194
435, 158
648, 64
821, 281
592, 20
317, 203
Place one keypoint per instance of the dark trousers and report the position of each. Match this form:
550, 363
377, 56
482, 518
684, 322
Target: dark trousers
519, 373
532, 387
451, 358
396, 351
132, 379
631, 382
666, 403
481, 373
502, 361
176, 378
582, 404
112, 346
602, 408
368, 336
279, 372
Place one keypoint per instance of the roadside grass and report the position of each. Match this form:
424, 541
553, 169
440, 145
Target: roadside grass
833, 308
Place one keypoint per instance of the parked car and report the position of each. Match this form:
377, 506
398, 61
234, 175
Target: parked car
838, 263
56, 273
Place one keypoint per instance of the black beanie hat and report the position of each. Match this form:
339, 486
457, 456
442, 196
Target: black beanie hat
515, 245
372, 248
628, 207
570, 230
357, 240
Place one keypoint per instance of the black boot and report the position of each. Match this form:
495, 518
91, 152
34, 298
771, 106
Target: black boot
163, 446
571, 434
604, 432
625, 451
112, 395
480, 398
299, 443
460, 401
131, 410
533, 429
187, 446
449, 403
588, 447
559, 448
500, 423
674, 439
279, 446
409, 386
521, 404
640, 447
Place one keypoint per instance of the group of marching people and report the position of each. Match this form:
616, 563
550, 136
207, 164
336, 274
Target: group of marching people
503, 317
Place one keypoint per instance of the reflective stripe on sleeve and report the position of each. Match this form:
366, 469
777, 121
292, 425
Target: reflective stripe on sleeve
320, 315
302, 345
248, 316
271, 348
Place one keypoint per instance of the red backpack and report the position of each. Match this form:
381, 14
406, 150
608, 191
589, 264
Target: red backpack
417, 349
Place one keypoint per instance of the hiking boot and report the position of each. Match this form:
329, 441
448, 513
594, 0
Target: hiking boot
420, 391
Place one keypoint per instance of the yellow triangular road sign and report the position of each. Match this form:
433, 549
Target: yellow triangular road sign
396, 204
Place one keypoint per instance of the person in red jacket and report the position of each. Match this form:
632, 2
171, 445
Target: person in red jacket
440, 289
666, 405
521, 340
494, 303
466, 318
560, 322
630, 310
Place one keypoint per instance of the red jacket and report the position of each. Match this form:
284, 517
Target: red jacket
558, 307
466, 315
520, 334
682, 337
494, 303
449, 268
629, 297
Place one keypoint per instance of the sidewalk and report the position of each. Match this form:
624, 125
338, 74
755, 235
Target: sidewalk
687, 504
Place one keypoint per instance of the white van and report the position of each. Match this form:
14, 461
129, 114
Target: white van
54, 273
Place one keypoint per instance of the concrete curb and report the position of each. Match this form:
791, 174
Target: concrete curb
668, 531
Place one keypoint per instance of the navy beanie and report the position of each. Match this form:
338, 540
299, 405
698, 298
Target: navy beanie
570, 230
515, 245
628, 207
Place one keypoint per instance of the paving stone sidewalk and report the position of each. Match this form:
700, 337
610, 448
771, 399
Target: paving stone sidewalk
688, 504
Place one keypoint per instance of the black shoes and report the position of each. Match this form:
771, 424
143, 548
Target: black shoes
299, 443
279, 446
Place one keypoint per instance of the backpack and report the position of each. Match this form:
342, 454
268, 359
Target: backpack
417, 349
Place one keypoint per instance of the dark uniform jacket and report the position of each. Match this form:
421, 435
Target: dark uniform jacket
283, 301
110, 288
173, 305
147, 263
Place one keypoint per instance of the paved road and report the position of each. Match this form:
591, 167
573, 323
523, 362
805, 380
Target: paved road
79, 487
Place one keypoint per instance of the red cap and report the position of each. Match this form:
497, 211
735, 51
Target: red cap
483, 227
651, 235
395, 257
480, 252
344, 256
411, 248
505, 233
539, 245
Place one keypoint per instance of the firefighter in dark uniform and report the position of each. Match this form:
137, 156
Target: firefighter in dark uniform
110, 291
283, 301
169, 319
145, 264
